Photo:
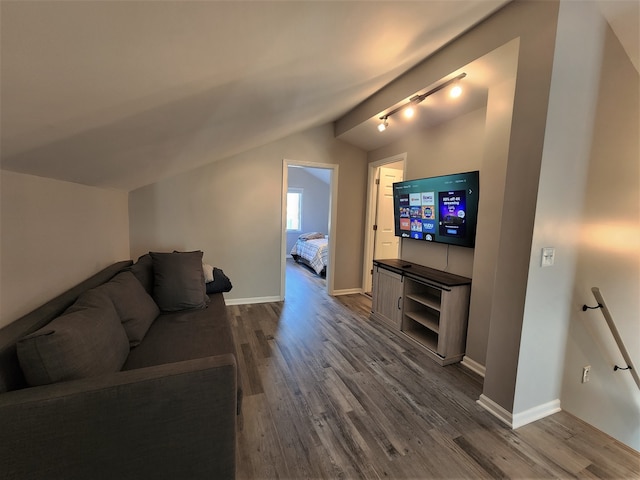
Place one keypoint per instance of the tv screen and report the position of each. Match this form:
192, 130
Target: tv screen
438, 209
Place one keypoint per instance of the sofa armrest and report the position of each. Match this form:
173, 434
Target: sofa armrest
175, 420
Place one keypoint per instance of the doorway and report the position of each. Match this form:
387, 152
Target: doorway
380, 239
323, 173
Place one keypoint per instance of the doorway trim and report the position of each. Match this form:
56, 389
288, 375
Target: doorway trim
333, 215
371, 213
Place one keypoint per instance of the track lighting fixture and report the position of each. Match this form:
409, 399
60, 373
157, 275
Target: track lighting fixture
409, 108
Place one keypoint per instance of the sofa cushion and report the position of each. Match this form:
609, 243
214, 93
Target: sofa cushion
134, 305
83, 342
185, 335
178, 281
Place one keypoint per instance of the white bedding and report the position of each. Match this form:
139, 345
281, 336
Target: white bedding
314, 251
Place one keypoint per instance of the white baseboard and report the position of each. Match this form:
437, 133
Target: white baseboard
473, 366
536, 413
247, 301
346, 291
496, 410
519, 419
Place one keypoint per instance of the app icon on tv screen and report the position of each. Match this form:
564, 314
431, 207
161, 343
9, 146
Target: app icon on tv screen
452, 213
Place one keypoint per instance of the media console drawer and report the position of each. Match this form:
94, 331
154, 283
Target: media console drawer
428, 306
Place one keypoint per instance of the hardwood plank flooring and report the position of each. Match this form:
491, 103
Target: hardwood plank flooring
331, 394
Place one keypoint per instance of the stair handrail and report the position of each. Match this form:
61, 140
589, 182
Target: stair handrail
614, 331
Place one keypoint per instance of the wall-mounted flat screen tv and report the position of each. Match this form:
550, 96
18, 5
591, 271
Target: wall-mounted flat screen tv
440, 209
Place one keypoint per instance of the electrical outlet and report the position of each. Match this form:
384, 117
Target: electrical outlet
548, 256
586, 373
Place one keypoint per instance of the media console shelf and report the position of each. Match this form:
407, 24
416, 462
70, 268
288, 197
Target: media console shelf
429, 306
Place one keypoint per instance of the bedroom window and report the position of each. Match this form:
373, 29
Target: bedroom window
294, 209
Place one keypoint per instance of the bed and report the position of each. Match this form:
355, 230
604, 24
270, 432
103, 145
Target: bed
311, 249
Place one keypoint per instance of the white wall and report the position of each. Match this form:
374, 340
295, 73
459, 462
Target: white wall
565, 162
54, 234
231, 209
606, 241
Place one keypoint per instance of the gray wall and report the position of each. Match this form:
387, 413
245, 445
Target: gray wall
232, 210
54, 235
501, 258
315, 204
439, 151
511, 156
549, 177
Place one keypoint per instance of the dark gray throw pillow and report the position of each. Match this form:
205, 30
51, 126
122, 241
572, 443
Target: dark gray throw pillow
143, 271
178, 281
134, 305
81, 343
97, 297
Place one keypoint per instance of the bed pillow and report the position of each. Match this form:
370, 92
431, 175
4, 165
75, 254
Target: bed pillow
310, 236
82, 343
220, 283
178, 281
134, 305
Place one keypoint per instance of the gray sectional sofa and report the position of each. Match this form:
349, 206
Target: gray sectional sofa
131, 374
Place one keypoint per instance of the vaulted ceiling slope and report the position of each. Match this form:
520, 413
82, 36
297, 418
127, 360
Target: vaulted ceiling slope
123, 94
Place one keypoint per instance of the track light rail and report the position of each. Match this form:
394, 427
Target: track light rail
419, 98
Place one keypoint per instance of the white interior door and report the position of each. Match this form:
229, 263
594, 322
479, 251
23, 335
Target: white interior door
386, 244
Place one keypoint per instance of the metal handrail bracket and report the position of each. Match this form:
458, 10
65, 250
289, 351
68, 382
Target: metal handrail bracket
616, 335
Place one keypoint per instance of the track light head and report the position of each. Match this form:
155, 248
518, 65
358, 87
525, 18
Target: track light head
409, 112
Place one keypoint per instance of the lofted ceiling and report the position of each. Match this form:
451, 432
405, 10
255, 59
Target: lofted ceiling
121, 94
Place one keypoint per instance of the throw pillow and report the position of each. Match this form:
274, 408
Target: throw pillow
78, 344
143, 271
134, 305
208, 272
178, 281
97, 297
221, 282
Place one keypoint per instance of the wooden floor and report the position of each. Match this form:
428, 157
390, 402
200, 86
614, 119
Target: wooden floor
331, 394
